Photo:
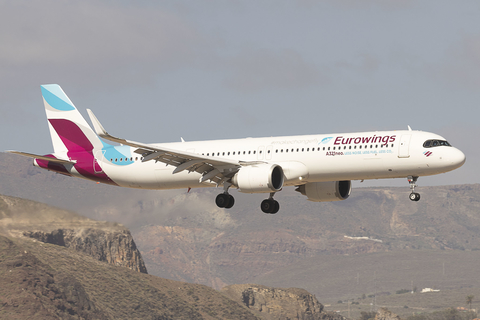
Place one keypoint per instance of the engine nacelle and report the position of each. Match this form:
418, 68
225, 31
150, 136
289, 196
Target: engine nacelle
260, 178
326, 191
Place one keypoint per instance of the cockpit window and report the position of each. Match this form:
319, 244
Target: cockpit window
436, 143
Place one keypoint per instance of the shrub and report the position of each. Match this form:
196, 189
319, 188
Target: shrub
402, 291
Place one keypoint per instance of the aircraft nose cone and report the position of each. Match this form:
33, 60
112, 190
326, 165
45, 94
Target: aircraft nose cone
458, 158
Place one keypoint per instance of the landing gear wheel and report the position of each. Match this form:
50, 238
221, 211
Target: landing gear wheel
412, 180
225, 200
414, 196
231, 202
276, 208
270, 206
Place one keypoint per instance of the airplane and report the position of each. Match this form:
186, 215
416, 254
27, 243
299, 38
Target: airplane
320, 167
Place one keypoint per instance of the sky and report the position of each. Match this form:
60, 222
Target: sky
156, 71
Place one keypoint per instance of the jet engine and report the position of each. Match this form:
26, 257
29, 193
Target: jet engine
260, 178
326, 191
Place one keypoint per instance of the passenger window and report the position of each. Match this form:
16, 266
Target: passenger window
308, 149
233, 152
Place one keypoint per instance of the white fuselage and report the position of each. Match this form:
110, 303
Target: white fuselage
308, 158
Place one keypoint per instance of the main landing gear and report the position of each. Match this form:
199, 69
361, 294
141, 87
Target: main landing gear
226, 200
413, 183
270, 205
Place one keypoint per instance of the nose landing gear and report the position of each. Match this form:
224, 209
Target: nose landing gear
413, 183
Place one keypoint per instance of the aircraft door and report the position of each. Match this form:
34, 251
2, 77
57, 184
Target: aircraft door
404, 147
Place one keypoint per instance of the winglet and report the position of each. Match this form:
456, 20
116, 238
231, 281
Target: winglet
99, 129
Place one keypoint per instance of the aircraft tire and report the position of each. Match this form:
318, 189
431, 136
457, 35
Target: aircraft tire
268, 206
276, 207
414, 196
222, 200
231, 202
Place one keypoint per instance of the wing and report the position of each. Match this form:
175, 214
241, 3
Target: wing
213, 169
46, 158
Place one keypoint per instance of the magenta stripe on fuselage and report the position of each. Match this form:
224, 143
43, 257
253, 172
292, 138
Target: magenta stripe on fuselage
79, 149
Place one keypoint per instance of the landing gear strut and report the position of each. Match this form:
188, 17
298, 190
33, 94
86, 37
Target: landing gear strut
225, 199
270, 205
413, 183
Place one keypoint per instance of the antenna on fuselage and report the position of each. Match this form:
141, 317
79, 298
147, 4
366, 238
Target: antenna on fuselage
409, 129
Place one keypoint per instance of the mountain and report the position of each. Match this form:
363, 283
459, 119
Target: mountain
375, 240
58, 264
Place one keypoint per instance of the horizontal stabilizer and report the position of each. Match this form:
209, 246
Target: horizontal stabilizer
36, 156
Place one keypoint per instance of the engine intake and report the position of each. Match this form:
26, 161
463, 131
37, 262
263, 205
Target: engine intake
261, 178
326, 191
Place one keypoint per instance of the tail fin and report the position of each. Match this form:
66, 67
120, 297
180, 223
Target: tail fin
68, 129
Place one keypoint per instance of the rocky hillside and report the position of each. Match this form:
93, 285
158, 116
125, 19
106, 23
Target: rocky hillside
45, 281
115, 247
57, 264
105, 241
379, 225
278, 303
